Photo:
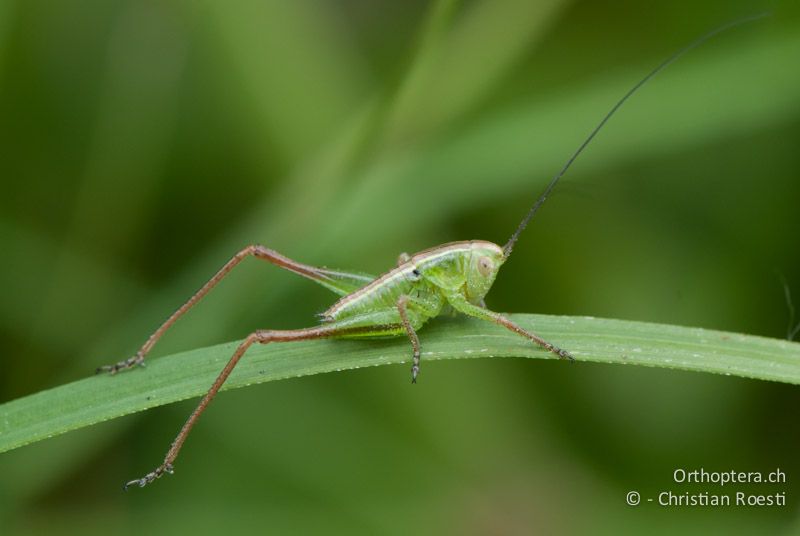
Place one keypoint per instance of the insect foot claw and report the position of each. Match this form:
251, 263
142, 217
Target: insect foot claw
149, 477
137, 359
563, 354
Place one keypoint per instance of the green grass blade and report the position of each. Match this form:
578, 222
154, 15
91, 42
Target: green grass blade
189, 374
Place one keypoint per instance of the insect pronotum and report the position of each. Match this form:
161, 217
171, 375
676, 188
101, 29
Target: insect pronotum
456, 275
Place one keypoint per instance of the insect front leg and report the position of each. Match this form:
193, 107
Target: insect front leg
402, 308
338, 281
460, 303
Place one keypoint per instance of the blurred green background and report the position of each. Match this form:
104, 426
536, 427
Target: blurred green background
143, 143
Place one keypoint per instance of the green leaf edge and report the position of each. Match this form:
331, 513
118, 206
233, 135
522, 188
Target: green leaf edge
189, 374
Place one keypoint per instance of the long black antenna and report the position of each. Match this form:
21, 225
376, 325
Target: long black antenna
700, 40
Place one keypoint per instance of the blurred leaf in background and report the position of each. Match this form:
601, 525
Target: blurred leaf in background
143, 143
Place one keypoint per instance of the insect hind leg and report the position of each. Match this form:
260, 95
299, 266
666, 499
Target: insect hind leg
336, 280
261, 337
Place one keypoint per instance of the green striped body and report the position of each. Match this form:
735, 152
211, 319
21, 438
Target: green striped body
432, 280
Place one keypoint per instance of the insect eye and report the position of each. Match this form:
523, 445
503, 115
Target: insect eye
485, 266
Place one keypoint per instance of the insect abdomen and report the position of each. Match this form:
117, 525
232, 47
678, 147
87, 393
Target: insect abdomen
416, 279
